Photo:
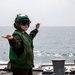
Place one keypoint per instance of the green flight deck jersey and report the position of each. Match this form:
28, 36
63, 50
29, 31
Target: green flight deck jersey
21, 49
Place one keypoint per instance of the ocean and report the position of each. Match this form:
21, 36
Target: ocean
50, 43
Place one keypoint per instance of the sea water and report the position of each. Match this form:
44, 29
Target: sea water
50, 43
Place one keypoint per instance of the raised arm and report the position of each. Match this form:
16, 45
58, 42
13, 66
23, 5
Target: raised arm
35, 31
14, 41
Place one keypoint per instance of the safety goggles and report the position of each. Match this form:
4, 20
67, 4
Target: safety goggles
24, 22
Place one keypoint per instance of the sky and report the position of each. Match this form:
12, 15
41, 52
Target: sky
45, 12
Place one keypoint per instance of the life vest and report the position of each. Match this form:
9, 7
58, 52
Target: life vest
26, 58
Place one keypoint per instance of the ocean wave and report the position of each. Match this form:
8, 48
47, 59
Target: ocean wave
57, 55
47, 53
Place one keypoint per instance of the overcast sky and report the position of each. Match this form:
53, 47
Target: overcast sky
47, 12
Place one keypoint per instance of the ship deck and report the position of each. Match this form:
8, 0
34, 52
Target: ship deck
41, 70
34, 73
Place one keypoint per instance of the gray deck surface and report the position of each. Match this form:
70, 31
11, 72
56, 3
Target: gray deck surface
9, 73
34, 73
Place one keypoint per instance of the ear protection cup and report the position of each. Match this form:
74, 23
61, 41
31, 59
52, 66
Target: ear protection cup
15, 25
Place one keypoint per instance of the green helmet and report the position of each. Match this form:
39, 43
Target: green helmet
20, 17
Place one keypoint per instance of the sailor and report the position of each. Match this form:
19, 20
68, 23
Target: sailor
21, 46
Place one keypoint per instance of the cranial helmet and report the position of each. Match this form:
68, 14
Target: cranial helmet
22, 19
19, 17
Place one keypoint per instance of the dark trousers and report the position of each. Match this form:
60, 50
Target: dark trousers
21, 71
